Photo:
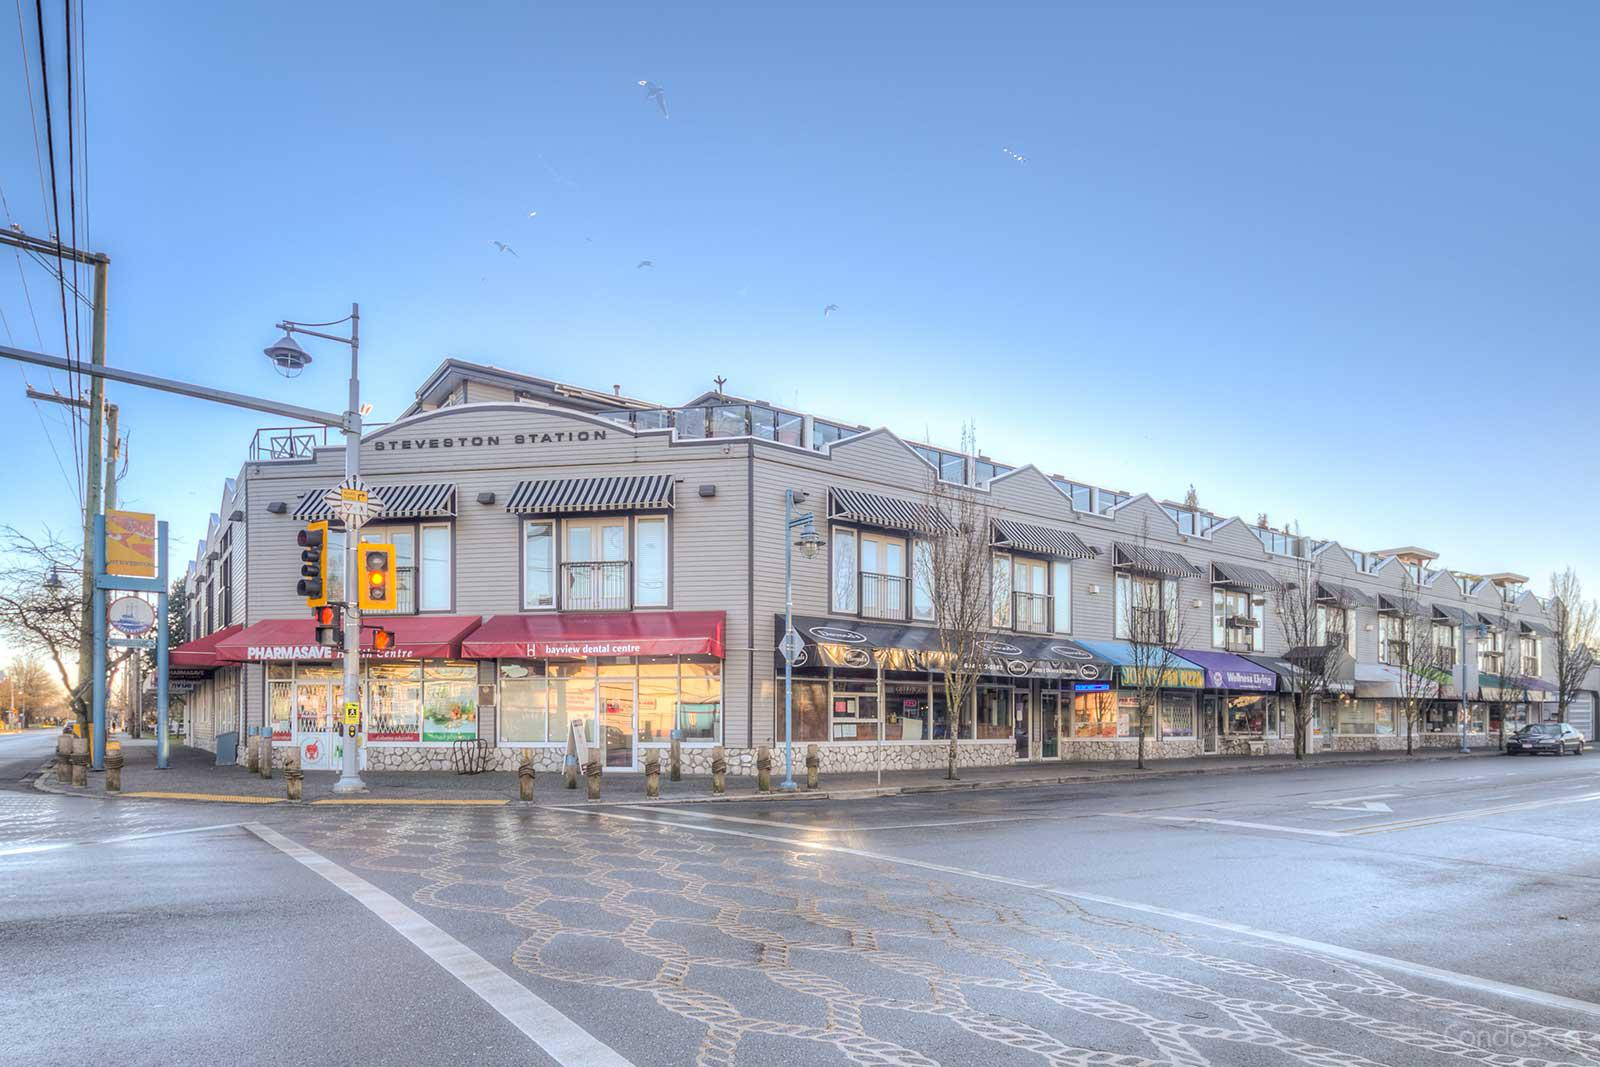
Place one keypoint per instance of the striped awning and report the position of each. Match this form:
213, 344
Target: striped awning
1400, 605
1456, 615
1345, 595
892, 513
560, 496
430, 501
1537, 628
1145, 560
1040, 539
1489, 618
1241, 577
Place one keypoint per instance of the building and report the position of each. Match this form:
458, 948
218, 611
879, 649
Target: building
569, 555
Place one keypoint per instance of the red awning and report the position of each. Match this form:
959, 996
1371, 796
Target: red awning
202, 651
640, 633
415, 637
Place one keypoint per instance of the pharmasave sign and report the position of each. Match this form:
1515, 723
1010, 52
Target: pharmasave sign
270, 653
417, 443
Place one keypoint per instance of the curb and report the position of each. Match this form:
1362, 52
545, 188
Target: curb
42, 783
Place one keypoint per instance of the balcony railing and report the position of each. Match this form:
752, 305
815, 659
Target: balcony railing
1491, 662
1030, 612
405, 593
1238, 641
1446, 655
883, 596
598, 586
274, 443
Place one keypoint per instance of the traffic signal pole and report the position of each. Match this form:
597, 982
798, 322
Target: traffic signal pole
350, 778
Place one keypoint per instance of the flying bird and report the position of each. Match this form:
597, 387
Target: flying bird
829, 310
652, 91
1013, 155
502, 246
645, 263
533, 214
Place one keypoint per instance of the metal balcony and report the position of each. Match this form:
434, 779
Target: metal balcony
596, 586
1031, 612
883, 596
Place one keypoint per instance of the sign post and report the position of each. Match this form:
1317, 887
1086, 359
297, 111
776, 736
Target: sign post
130, 554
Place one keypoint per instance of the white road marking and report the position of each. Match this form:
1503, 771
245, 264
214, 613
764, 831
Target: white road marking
803, 828
562, 1039
1370, 959
1370, 802
50, 846
1457, 816
1242, 824
23, 850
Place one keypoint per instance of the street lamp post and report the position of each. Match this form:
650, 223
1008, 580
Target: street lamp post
798, 532
291, 359
1462, 724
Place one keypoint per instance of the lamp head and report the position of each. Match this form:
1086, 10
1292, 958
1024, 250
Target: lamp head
809, 542
287, 355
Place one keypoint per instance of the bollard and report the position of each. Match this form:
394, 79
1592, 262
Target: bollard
252, 759
293, 777
569, 772
763, 769
719, 772
652, 773
675, 768
813, 762
591, 771
64, 758
114, 767
266, 757
525, 776
80, 761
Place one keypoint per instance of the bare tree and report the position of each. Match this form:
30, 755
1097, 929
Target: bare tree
1575, 626
1316, 629
1515, 687
1410, 649
41, 605
1155, 619
30, 689
955, 576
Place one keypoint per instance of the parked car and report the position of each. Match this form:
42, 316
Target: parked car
1545, 738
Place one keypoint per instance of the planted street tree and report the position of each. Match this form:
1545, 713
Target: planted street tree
1315, 622
41, 606
1575, 627
1406, 632
1155, 630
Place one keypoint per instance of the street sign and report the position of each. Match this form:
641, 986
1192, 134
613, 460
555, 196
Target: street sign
352, 713
353, 502
131, 615
791, 646
131, 642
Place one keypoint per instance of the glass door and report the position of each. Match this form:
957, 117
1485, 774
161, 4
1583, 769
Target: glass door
1210, 712
1050, 719
616, 713
1019, 720
313, 725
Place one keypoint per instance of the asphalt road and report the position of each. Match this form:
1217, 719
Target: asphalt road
1399, 914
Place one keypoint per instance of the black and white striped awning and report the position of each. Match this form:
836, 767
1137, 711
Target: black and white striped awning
1040, 540
561, 496
1239, 576
1537, 628
891, 513
1458, 616
1345, 596
431, 501
1143, 559
1499, 622
1391, 604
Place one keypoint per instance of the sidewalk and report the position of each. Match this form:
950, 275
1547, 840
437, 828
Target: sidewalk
193, 775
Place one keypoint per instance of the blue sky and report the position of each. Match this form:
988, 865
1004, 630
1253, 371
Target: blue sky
1338, 266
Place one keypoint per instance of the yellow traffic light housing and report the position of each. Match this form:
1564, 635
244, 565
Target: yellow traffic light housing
377, 578
313, 583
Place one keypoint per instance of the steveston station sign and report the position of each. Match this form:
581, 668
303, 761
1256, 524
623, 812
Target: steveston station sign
487, 440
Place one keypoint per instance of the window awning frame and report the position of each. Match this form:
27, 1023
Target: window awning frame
1039, 540
1155, 562
588, 496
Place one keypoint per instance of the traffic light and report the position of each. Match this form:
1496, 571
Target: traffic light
382, 640
313, 584
330, 626
377, 578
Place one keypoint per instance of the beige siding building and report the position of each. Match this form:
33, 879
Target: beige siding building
577, 559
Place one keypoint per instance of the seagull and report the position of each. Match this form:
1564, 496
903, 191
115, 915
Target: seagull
502, 246
652, 91
533, 214
829, 310
1013, 155
645, 263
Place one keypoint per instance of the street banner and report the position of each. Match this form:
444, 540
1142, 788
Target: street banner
131, 544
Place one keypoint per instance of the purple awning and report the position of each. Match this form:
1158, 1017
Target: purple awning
1224, 670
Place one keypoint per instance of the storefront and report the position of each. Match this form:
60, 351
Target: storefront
629, 681
1239, 710
1111, 711
209, 687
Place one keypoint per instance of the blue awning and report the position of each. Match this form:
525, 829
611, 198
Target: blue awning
1179, 673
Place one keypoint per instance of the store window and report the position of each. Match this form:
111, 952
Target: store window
906, 711
809, 707
1097, 715
994, 713
449, 701
540, 699
1246, 714
280, 708
394, 702
855, 710
1177, 715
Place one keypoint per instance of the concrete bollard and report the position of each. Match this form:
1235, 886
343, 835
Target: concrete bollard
569, 772
80, 761
652, 773
64, 758
813, 764
266, 757
591, 771
294, 778
763, 769
675, 768
114, 767
719, 772
252, 757
525, 776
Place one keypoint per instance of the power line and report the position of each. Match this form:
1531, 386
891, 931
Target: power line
33, 116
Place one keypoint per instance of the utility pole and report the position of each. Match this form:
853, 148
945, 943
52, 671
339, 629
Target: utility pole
91, 503
113, 454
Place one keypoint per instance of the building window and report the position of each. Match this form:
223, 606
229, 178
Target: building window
538, 564
1530, 655
1177, 715
1391, 638
594, 564
986, 471
404, 540
1082, 496
1000, 590
1444, 644
1061, 591
434, 585
1333, 627
994, 713
650, 569
394, 702
951, 466
844, 570
541, 699
922, 580
1236, 620
1144, 601
883, 593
